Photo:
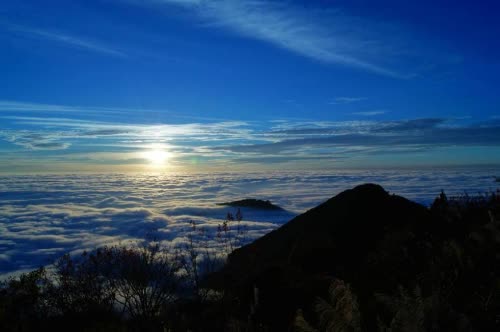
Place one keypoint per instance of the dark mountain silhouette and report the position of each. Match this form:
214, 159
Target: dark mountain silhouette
375, 241
253, 203
345, 227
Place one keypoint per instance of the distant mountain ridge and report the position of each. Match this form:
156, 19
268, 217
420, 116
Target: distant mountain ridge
253, 203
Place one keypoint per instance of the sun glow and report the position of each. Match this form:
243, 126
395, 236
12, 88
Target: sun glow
157, 156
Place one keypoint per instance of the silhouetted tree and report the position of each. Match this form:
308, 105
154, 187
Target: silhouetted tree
22, 303
145, 279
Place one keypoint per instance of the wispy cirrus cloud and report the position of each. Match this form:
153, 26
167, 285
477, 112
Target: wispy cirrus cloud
370, 113
19, 106
346, 100
60, 133
67, 39
15, 107
325, 35
108, 142
401, 135
34, 140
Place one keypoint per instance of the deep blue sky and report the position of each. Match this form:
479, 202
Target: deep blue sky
107, 84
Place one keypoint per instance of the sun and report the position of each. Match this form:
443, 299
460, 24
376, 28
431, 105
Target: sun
157, 156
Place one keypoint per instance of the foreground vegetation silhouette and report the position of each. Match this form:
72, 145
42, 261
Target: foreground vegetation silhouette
364, 260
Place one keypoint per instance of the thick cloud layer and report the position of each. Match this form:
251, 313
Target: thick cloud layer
42, 217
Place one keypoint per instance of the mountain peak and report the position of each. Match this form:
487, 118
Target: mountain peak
368, 189
359, 195
343, 229
345, 237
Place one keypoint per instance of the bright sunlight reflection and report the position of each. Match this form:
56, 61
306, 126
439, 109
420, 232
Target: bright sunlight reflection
157, 155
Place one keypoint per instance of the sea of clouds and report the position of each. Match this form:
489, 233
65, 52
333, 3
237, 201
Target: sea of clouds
45, 216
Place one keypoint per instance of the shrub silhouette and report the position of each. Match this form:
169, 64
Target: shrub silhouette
198, 258
339, 313
111, 284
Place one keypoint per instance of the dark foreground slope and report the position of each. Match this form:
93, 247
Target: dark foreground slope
384, 246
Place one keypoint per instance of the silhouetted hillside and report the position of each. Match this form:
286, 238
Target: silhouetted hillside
374, 241
253, 203
345, 228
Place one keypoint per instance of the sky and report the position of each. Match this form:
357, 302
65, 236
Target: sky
194, 85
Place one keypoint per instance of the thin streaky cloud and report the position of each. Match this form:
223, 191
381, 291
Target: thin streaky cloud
42, 133
67, 39
20, 106
325, 36
428, 133
346, 100
370, 113
9, 106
